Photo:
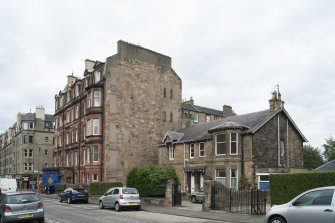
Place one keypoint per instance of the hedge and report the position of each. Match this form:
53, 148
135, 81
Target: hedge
284, 187
98, 188
151, 180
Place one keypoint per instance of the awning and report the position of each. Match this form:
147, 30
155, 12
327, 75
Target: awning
192, 169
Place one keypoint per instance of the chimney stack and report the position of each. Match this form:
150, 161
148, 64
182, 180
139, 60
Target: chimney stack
71, 79
275, 102
227, 111
40, 112
89, 64
191, 101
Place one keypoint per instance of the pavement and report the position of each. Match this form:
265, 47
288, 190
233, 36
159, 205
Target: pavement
189, 209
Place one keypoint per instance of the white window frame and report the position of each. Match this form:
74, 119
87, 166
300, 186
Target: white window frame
88, 128
223, 142
89, 100
196, 117
220, 178
96, 98
97, 76
84, 157
95, 126
171, 151
208, 118
95, 154
201, 150
76, 158
88, 150
259, 181
233, 142
234, 178
191, 150
30, 166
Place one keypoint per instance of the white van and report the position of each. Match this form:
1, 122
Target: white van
7, 185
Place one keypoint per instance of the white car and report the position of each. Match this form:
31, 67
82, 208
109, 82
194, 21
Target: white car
197, 196
121, 198
313, 206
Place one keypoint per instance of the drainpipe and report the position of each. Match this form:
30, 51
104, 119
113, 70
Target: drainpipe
242, 154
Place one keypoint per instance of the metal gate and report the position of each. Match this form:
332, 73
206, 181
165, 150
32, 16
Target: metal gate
176, 195
251, 201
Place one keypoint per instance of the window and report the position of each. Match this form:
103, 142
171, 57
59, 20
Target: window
164, 116
25, 125
196, 117
30, 166
220, 176
96, 98
88, 154
208, 118
95, 126
282, 148
76, 158
233, 179
201, 149
89, 100
319, 197
171, 93
96, 76
95, 154
84, 156
76, 135
76, 113
164, 92
25, 166
28, 139
171, 117
88, 128
31, 125
46, 152
67, 116
67, 138
46, 139
191, 150
171, 152
28, 152
84, 132
233, 143
94, 177
67, 159
221, 144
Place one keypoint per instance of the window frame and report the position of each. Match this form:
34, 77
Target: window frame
191, 149
201, 150
221, 142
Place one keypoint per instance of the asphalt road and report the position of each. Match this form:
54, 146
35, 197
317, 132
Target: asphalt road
56, 212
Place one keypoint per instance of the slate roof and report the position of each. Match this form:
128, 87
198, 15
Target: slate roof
250, 122
197, 108
330, 166
28, 117
49, 118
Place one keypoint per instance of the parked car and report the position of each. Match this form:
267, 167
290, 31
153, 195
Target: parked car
8, 185
21, 207
316, 205
120, 198
197, 196
73, 195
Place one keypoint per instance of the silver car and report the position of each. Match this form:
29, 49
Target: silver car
316, 205
197, 196
21, 207
120, 198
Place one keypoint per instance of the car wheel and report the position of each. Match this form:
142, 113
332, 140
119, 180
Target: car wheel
86, 201
60, 199
194, 199
277, 220
69, 200
117, 207
101, 205
138, 208
41, 220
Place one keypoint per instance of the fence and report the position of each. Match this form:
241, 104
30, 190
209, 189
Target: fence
251, 201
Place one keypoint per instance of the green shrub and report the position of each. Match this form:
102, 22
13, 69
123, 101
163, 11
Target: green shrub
98, 188
284, 187
151, 180
60, 187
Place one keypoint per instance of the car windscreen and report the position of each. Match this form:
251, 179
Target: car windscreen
129, 191
22, 198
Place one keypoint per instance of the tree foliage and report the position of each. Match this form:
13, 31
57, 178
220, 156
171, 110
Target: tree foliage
312, 157
329, 149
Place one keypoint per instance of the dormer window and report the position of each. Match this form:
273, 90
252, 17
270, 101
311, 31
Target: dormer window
96, 76
171, 152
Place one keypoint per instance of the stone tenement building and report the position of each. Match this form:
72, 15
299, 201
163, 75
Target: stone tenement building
112, 119
253, 145
193, 114
27, 147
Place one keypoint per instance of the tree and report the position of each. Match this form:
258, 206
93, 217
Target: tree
312, 157
329, 149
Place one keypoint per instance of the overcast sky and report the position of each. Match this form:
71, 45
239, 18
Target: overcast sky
226, 52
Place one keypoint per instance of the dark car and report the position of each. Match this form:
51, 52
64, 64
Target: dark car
197, 196
21, 207
71, 195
